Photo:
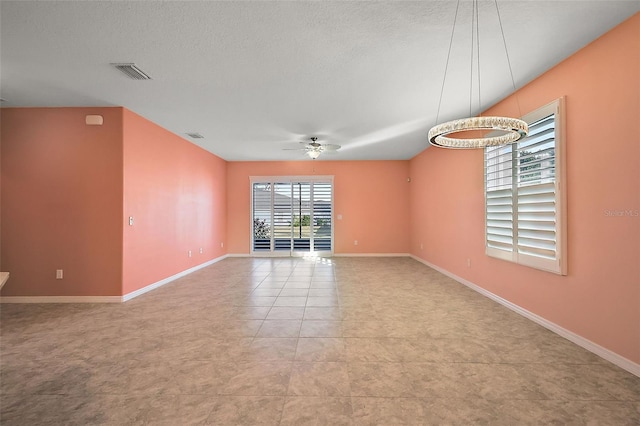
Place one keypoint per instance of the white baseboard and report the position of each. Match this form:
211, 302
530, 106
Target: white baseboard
587, 344
265, 255
167, 280
330, 255
371, 255
60, 299
106, 299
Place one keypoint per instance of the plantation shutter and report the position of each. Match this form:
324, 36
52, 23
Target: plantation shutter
499, 197
322, 196
523, 197
302, 196
262, 216
282, 215
536, 202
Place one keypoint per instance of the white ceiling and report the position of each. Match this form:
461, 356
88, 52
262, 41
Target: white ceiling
257, 77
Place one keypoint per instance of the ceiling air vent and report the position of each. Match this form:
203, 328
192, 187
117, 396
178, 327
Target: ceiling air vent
195, 135
132, 71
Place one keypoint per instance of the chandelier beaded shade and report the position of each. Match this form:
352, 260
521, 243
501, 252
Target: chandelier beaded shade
515, 130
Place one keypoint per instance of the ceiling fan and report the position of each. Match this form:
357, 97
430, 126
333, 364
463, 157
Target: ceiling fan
314, 148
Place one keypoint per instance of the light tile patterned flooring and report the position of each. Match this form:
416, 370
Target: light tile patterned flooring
361, 341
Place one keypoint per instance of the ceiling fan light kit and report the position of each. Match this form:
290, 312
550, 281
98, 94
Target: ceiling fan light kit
313, 153
512, 129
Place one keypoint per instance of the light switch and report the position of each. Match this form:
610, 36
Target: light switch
339, 217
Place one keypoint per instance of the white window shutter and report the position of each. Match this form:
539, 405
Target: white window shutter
523, 197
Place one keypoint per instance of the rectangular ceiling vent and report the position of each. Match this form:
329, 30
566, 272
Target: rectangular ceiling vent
132, 71
195, 135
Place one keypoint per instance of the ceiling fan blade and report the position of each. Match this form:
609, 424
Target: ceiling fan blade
304, 146
330, 147
315, 147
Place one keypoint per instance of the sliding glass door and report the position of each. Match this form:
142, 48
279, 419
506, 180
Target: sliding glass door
292, 215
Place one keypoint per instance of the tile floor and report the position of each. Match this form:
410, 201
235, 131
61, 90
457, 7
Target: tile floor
362, 341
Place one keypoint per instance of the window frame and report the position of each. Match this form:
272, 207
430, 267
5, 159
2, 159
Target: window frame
557, 265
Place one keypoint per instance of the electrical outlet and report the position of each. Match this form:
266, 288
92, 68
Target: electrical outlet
468, 263
421, 246
59, 274
355, 242
221, 244
200, 250
130, 220
189, 253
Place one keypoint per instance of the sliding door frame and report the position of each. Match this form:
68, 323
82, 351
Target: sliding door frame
328, 179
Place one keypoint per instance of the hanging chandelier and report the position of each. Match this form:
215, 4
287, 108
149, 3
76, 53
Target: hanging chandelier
502, 130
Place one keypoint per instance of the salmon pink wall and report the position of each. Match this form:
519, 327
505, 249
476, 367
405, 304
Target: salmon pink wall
599, 299
371, 196
176, 193
61, 201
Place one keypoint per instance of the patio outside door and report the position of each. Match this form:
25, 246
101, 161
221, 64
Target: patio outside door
292, 217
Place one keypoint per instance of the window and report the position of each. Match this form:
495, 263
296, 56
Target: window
292, 214
524, 195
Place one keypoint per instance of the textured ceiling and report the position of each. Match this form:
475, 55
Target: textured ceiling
255, 78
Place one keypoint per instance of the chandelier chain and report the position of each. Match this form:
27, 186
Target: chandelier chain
473, 22
478, 55
506, 51
446, 67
